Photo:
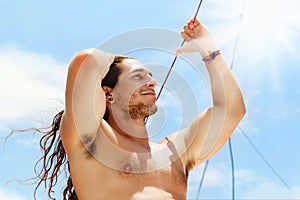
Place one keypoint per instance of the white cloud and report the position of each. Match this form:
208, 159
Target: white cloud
216, 176
278, 113
249, 184
27, 142
254, 186
28, 81
295, 192
9, 195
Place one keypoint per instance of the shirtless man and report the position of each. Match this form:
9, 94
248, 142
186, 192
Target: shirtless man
110, 155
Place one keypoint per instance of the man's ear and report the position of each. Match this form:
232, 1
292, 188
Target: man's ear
107, 91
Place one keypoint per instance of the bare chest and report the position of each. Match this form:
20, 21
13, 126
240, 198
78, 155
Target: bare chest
168, 176
167, 183
97, 180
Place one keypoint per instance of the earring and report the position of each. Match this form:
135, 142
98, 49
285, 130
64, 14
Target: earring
110, 99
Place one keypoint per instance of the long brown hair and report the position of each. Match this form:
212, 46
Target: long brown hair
54, 157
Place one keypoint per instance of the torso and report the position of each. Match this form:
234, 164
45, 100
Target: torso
112, 173
92, 180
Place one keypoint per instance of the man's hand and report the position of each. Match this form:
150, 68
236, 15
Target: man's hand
198, 39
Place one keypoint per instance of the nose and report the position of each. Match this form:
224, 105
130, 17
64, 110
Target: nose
151, 83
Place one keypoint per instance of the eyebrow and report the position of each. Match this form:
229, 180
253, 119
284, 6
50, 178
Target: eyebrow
141, 70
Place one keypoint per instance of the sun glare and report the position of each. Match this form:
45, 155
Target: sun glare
268, 32
266, 35
265, 24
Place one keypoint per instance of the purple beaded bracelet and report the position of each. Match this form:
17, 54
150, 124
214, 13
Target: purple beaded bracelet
211, 56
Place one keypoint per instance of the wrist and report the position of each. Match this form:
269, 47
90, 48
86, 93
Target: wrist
211, 55
208, 50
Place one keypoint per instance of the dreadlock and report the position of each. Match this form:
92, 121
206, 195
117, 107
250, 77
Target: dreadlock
54, 155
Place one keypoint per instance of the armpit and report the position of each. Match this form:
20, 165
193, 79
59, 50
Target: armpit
89, 143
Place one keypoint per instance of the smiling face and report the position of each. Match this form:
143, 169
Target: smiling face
134, 92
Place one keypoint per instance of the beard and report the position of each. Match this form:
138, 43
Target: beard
136, 108
140, 110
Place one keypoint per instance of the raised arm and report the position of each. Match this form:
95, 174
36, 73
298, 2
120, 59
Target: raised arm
213, 127
84, 98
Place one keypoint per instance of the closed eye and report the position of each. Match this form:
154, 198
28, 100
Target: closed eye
141, 73
138, 76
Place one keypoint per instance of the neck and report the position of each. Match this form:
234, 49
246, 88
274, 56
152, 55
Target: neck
132, 129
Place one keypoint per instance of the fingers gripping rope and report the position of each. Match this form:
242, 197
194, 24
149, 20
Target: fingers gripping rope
174, 61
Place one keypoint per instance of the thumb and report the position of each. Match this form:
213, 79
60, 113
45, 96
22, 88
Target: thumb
191, 46
179, 51
187, 47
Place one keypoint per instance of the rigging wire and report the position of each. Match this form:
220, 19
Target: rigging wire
264, 159
232, 169
240, 129
229, 142
231, 67
238, 34
202, 179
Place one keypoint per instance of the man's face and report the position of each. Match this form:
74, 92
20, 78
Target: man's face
134, 92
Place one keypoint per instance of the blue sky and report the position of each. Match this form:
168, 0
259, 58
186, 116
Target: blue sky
39, 38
